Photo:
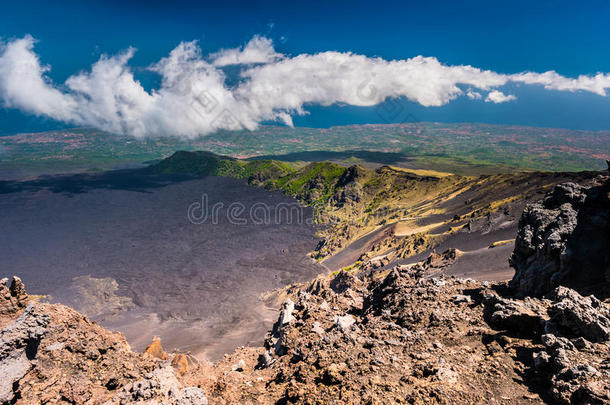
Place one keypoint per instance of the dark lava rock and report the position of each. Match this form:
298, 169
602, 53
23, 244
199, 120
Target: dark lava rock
564, 240
583, 316
526, 317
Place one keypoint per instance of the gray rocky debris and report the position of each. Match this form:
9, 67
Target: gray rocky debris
287, 310
344, 323
18, 346
584, 316
160, 386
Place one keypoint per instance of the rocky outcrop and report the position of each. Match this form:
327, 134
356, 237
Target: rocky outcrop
380, 336
155, 349
13, 297
582, 316
52, 354
349, 190
526, 317
565, 241
566, 324
402, 336
19, 344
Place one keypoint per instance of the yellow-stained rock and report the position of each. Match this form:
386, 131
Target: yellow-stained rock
180, 364
155, 349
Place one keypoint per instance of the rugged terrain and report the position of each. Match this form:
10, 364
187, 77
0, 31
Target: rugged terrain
406, 333
389, 211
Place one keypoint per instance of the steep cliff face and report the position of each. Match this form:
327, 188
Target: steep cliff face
565, 240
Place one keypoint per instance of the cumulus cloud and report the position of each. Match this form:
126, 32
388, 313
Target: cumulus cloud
194, 97
23, 83
257, 50
554, 81
473, 95
499, 97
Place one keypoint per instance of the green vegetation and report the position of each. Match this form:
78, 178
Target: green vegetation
466, 149
207, 163
312, 184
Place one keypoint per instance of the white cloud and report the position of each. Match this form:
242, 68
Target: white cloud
473, 95
257, 50
554, 81
24, 86
499, 97
194, 98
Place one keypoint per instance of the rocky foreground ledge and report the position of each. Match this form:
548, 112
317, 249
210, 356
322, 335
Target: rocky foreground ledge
386, 337
373, 335
50, 353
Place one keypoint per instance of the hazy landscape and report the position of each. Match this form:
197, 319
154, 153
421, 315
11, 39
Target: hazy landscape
456, 148
389, 202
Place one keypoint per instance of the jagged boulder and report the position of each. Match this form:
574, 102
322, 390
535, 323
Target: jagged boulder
155, 349
583, 316
564, 240
13, 297
525, 317
318, 286
275, 341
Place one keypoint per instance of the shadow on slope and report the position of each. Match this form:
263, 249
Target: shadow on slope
139, 180
388, 158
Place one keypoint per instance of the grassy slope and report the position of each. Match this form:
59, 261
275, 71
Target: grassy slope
355, 201
207, 163
311, 184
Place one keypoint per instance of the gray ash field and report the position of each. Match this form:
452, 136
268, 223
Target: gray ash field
120, 247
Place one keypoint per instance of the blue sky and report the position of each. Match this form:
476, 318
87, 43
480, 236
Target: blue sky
569, 37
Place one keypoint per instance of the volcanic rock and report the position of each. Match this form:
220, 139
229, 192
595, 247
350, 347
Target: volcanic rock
583, 316
155, 349
565, 240
12, 298
527, 317
18, 346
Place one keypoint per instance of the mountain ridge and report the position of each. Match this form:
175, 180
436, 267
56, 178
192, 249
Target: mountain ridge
351, 202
